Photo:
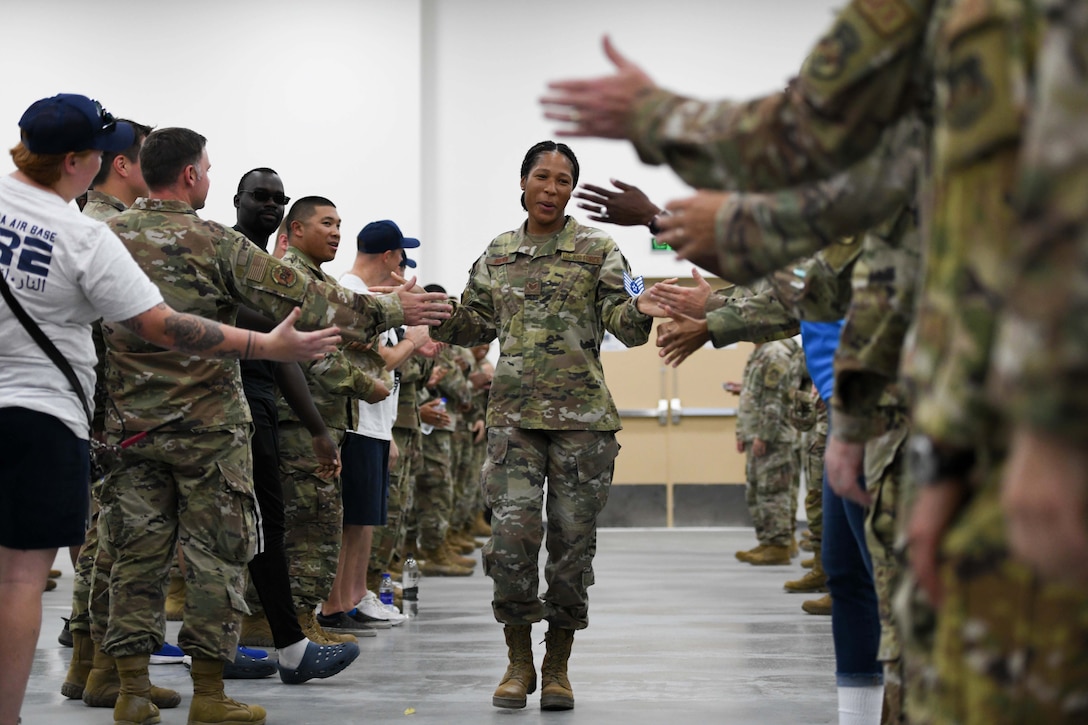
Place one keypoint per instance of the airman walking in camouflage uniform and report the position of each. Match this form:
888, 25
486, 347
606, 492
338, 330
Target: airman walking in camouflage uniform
549, 291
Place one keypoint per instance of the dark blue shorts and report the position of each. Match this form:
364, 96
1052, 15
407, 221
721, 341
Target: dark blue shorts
45, 475
365, 479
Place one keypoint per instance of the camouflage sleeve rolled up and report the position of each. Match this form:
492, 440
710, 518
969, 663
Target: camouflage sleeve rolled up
859, 79
1041, 357
756, 233
881, 311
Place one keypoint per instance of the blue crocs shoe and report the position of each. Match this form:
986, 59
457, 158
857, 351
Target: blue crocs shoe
168, 654
245, 667
320, 661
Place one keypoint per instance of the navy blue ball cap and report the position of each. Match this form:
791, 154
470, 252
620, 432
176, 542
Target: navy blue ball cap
71, 122
382, 236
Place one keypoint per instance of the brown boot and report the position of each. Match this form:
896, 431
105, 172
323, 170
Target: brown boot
307, 620
771, 556
256, 632
175, 599
812, 581
746, 556
79, 667
480, 527
134, 706
555, 692
459, 544
103, 685
436, 562
520, 678
211, 705
794, 551
808, 563
821, 606
454, 558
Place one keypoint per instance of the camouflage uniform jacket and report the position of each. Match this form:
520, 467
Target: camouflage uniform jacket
767, 393
336, 380
752, 314
208, 269
1042, 349
413, 375
879, 61
549, 304
102, 207
453, 386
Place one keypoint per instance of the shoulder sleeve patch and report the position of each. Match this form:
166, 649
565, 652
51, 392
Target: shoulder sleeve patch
885, 16
257, 269
284, 276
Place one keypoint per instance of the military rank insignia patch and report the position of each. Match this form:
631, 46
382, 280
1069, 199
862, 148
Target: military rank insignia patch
284, 275
831, 55
885, 16
634, 285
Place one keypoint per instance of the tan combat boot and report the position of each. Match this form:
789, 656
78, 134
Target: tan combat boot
813, 581
520, 678
210, 705
460, 543
806, 541
555, 691
771, 556
134, 706
454, 558
103, 685
480, 527
746, 556
821, 606
175, 599
436, 562
808, 563
794, 551
307, 620
79, 667
256, 632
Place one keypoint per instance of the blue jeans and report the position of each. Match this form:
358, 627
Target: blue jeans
855, 622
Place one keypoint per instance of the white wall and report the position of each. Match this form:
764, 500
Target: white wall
414, 110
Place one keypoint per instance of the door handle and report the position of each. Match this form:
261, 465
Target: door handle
663, 412
677, 410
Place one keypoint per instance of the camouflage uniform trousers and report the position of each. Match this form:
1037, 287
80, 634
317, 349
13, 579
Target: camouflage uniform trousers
771, 478
813, 461
195, 489
1008, 648
389, 539
83, 576
578, 466
884, 460
466, 481
434, 490
313, 516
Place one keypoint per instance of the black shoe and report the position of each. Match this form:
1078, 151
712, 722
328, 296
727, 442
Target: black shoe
320, 661
341, 622
65, 636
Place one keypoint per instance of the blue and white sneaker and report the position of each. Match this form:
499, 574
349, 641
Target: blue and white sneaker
168, 654
256, 654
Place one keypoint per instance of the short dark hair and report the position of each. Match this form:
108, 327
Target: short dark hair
547, 147
303, 209
251, 172
166, 152
132, 153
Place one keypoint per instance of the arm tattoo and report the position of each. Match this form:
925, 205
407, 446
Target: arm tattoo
196, 334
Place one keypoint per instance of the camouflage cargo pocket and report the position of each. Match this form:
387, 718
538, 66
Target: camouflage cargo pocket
234, 519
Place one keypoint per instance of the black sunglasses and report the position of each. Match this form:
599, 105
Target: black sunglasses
263, 195
105, 117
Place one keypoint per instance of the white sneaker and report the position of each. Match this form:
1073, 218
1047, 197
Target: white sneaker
371, 608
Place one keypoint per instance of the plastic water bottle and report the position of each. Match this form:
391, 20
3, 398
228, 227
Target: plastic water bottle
410, 579
385, 590
426, 428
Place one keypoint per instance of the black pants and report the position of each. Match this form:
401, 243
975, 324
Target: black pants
268, 569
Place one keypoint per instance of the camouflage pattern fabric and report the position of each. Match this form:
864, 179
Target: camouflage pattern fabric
189, 488
434, 489
578, 466
765, 398
389, 539
549, 305
313, 515
752, 313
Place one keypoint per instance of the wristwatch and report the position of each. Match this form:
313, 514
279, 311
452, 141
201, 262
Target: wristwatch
929, 464
653, 223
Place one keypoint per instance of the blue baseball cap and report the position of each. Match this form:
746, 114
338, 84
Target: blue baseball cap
408, 261
382, 236
71, 122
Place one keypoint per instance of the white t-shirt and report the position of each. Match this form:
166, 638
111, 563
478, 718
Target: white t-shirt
375, 419
66, 270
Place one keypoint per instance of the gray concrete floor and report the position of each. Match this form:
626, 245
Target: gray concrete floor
679, 629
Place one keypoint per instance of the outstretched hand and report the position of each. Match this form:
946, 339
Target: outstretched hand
628, 207
689, 228
600, 107
680, 337
287, 344
422, 308
686, 301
